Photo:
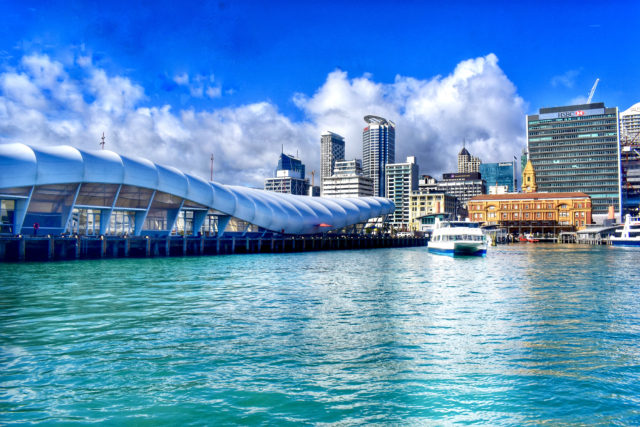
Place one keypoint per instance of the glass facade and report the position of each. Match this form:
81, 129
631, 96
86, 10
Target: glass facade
331, 151
498, 174
576, 149
378, 150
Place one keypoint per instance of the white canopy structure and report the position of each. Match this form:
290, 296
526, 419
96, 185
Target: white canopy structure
59, 187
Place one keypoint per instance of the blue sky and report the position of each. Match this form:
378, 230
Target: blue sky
291, 65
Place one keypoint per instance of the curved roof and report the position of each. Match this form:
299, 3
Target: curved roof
22, 165
371, 119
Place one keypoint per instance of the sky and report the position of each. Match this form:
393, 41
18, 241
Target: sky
175, 82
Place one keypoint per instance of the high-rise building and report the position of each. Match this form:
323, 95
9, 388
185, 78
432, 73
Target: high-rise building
289, 177
331, 150
499, 175
467, 163
347, 181
401, 180
630, 159
378, 150
463, 186
630, 125
576, 148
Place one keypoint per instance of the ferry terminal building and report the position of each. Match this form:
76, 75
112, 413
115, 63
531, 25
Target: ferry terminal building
67, 190
532, 212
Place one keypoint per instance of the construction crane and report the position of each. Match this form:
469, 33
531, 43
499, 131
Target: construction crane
593, 90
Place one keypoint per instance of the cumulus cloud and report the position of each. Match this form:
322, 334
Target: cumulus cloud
476, 103
41, 104
567, 79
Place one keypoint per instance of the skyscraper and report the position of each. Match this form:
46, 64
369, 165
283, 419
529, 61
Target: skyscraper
378, 149
401, 181
500, 175
630, 159
576, 149
331, 149
630, 125
289, 177
468, 163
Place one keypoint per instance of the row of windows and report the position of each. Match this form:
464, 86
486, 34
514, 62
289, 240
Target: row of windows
533, 136
540, 131
578, 145
574, 155
529, 206
571, 125
565, 140
574, 118
577, 169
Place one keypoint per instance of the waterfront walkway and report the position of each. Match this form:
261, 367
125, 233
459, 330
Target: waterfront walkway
52, 248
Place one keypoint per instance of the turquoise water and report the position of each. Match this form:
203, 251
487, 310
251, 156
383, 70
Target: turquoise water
531, 334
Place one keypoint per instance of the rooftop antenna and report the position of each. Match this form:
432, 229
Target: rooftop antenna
593, 90
102, 143
211, 167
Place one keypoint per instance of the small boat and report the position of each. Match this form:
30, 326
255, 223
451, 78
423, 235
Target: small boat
457, 238
629, 235
528, 238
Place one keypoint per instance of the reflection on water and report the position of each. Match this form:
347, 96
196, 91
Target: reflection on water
529, 334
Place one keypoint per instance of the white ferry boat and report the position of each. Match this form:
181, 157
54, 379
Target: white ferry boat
629, 235
457, 238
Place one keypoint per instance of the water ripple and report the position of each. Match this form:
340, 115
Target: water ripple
531, 334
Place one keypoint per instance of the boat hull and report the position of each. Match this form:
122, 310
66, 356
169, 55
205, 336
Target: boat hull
459, 249
626, 242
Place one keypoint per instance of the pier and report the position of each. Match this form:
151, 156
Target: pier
55, 248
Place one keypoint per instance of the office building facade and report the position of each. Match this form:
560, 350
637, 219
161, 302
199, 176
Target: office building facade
347, 181
576, 148
378, 150
630, 160
401, 181
630, 125
331, 150
499, 175
424, 207
289, 177
463, 186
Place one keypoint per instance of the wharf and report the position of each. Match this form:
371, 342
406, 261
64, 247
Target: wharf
54, 248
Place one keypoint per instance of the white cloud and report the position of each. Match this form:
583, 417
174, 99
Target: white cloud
41, 105
214, 92
476, 102
181, 79
567, 79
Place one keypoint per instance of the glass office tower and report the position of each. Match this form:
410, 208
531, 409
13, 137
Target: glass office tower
378, 150
576, 148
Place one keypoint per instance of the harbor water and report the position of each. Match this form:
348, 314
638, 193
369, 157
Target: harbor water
530, 334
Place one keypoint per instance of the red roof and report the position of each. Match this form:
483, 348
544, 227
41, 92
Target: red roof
529, 196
